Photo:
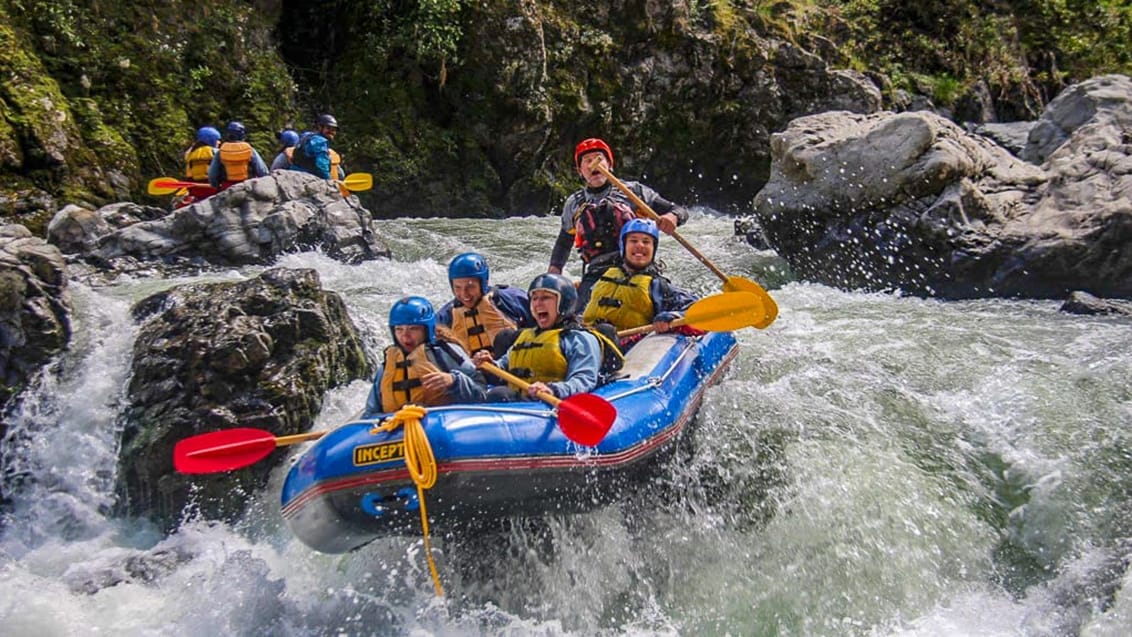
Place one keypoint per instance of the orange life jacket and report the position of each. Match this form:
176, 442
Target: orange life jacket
401, 379
236, 157
476, 327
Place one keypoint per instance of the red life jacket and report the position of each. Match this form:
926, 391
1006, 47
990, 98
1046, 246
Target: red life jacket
597, 226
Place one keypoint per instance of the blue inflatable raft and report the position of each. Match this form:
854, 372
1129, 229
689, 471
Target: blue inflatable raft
493, 460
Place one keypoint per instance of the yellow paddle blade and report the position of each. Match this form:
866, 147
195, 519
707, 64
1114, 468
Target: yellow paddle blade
159, 186
356, 182
725, 312
739, 284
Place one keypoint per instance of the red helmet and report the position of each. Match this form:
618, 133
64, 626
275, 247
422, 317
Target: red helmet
590, 145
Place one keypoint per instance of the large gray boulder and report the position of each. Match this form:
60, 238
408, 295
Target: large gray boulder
259, 353
35, 308
252, 222
1099, 101
912, 202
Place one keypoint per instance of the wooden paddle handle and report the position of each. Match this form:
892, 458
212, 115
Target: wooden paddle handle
549, 398
651, 214
644, 329
283, 441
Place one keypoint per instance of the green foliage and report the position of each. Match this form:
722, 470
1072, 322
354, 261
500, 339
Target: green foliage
153, 72
434, 29
1016, 43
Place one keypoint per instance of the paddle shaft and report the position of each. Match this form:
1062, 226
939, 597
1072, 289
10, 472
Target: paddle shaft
651, 214
550, 398
644, 329
280, 441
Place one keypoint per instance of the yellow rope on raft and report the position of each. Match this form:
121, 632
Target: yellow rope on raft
422, 468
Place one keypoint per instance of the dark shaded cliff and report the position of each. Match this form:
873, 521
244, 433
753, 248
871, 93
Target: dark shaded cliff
471, 108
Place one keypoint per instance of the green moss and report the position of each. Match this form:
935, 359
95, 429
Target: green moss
139, 77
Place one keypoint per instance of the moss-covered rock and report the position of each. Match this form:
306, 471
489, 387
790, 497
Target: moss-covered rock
472, 108
97, 98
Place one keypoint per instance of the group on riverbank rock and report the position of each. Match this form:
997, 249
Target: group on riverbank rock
912, 202
252, 222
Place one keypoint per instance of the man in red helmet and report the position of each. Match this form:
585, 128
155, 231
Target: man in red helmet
592, 216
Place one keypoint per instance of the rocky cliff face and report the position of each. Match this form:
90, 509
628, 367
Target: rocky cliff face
912, 202
472, 108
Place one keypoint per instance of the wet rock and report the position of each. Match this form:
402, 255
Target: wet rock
912, 202
1095, 100
253, 222
1084, 303
35, 308
259, 353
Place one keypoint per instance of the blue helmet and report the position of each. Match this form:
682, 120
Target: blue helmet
288, 138
469, 264
413, 310
559, 285
646, 226
235, 131
208, 135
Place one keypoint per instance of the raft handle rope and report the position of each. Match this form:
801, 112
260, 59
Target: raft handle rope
652, 382
421, 462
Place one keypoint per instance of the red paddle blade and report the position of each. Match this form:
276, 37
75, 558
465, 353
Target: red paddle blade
172, 183
223, 450
586, 418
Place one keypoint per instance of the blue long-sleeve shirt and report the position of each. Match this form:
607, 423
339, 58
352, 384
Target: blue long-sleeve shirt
315, 147
583, 363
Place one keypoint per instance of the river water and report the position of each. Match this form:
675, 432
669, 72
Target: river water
870, 465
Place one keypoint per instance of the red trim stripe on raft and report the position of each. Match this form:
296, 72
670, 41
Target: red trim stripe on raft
520, 463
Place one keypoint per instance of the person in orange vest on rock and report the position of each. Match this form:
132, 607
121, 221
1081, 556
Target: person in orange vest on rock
199, 156
236, 160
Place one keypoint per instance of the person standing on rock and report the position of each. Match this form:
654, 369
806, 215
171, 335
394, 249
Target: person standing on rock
198, 161
199, 156
593, 215
235, 160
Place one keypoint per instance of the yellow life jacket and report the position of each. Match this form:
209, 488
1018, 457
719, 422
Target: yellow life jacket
537, 356
401, 379
476, 327
621, 299
197, 161
236, 157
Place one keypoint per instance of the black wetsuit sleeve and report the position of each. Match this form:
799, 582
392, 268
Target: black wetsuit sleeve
663, 206
561, 252
659, 204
